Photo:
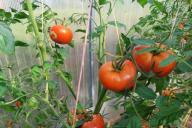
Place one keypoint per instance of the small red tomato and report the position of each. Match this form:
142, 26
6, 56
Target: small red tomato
18, 104
61, 34
117, 80
145, 125
96, 122
181, 25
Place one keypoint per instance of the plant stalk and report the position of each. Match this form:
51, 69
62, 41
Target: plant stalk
100, 101
68, 84
40, 44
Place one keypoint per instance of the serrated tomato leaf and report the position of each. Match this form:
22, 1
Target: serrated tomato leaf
145, 92
7, 40
3, 88
134, 122
101, 2
117, 23
126, 41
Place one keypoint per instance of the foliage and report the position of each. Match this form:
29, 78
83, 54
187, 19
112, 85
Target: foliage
169, 23
163, 24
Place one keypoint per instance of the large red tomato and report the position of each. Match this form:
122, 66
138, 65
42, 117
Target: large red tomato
148, 61
61, 34
117, 80
96, 122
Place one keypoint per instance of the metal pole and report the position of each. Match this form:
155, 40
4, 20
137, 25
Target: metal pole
91, 62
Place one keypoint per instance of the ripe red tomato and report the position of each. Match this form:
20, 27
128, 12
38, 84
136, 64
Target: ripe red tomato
96, 122
148, 61
144, 60
18, 104
61, 34
115, 80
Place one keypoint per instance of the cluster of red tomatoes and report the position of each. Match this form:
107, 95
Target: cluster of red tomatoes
146, 62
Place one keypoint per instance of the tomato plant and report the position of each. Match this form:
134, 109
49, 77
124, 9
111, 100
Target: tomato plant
61, 34
32, 89
160, 96
155, 78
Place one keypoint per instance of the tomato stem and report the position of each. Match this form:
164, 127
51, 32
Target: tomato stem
68, 83
118, 63
40, 44
100, 101
102, 42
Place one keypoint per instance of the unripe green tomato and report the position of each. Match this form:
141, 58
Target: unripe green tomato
33, 102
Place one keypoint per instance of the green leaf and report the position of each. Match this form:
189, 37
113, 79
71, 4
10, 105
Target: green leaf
142, 2
169, 111
64, 52
21, 15
188, 53
29, 28
21, 43
143, 41
7, 108
183, 67
72, 44
145, 92
13, 10
101, 2
81, 30
137, 28
160, 83
134, 122
126, 41
160, 6
168, 60
7, 43
8, 15
146, 50
117, 23
3, 88
24, 5
68, 80
48, 14
100, 29
41, 117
